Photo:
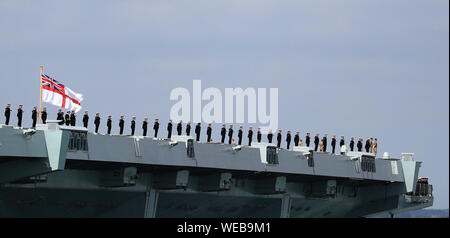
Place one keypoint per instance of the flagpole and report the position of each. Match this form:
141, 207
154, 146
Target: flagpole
40, 98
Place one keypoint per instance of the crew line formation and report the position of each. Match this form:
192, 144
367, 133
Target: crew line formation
69, 119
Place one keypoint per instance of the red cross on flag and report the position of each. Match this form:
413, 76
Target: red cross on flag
58, 94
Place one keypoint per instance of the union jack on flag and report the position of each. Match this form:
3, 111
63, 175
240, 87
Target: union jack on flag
58, 94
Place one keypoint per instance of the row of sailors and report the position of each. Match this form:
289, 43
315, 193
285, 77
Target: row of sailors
69, 119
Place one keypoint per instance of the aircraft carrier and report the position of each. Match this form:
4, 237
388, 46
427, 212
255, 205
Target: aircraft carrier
62, 171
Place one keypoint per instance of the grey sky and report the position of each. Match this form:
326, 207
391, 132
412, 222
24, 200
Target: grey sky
352, 68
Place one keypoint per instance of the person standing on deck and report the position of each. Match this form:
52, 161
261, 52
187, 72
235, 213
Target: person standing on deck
223, 133
7, 113
97, 122
144, 126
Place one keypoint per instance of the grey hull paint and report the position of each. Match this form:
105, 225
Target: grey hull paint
124, 176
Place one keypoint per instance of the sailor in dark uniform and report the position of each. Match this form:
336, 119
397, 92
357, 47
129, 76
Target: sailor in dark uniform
72, 119
223, 133
230, 134
156, 127
250, 136
19, 116
197, 131
60, 117
7, 114
34, 116
296, 138
352, 144
333, 144
259, 135
367, 145
97, 122
288, 139
67, 118
144, 126
180, 127
325, 142
342, 142
188, 128
359, 145
121, 124
270, 136
169, 129
133, 125
308, 139
109, 124
240, 132
44, 115
85, 119
316, 142
279, 139
209, 132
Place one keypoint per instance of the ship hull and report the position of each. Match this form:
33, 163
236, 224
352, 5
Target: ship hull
56, 172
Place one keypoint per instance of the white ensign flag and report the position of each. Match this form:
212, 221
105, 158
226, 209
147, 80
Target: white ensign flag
58, 94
